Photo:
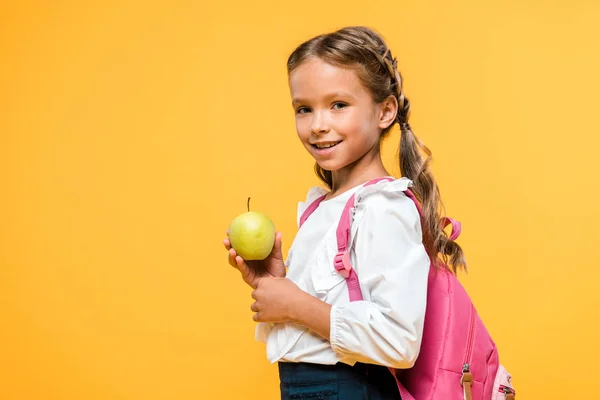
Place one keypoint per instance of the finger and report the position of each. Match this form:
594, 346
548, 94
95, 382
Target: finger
276, 250
240, 263
246, 271
277, 246
227, 244
232, 257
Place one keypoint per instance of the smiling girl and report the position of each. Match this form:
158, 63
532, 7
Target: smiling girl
346, 95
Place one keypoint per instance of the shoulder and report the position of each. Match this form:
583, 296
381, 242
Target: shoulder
387, 203
313, 194
385, 194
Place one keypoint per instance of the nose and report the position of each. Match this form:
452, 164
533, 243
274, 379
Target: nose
319, 124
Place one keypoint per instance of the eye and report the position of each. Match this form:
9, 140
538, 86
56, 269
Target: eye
302, 110
339, 105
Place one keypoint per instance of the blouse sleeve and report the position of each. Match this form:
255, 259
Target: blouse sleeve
392, 266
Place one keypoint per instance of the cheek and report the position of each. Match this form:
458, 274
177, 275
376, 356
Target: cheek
350, 125
370, 128
302, 129
362, 126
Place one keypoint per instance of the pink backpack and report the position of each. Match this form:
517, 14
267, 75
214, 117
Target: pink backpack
458, 359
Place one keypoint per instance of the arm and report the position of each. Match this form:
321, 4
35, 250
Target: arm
312, 313
392, 264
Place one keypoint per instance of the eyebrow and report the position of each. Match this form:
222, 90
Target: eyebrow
331, 95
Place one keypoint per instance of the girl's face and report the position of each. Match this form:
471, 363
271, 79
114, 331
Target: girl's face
336, 118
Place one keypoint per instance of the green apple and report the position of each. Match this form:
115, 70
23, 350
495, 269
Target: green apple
252, 235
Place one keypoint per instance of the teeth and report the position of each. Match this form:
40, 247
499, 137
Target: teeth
326, 145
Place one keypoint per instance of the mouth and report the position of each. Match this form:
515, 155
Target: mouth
325, 145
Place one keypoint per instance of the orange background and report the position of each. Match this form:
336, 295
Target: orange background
132, 132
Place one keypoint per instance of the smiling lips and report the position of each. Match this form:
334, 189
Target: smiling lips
324, 145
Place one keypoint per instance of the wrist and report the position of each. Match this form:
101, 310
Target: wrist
295, 306
309, 311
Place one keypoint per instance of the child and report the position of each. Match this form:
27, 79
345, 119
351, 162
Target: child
347, 95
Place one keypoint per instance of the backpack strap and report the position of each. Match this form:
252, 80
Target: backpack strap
456, 227
341, 262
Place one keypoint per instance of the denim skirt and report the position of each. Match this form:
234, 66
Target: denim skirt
333, 382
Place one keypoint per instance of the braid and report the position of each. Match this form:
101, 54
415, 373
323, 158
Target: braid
416, 167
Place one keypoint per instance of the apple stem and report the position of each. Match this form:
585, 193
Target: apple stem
248, 204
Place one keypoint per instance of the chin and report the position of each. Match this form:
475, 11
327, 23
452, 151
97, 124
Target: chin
331, 166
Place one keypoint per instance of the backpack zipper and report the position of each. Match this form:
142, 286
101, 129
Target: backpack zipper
467, 377
470, 338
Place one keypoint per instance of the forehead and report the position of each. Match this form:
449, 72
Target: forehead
315, 78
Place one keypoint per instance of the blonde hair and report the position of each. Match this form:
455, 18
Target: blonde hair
365, 50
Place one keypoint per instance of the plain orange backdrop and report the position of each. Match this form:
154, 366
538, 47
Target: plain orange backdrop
132, 132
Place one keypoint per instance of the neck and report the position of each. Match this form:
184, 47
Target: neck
368, 167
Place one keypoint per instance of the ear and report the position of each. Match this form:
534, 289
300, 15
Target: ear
388, 111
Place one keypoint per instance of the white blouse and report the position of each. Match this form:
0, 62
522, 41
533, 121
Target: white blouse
392, 265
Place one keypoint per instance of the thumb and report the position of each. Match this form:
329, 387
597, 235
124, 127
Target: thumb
277, 245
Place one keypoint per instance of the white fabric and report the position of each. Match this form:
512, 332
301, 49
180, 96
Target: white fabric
392, 266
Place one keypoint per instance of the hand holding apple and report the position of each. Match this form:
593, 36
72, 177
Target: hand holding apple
254, 247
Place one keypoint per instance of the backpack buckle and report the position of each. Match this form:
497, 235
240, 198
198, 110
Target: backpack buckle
342, 264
